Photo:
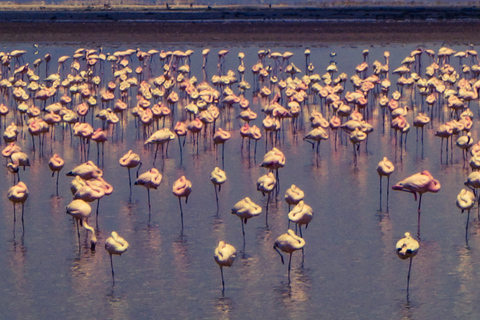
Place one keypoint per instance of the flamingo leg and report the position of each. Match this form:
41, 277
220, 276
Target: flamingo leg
149, 207
466, 228
281, 256
23, 226
223, 282
408, 277
216, 195
130, 183
113, 273
243, 232
289, 265
181, 210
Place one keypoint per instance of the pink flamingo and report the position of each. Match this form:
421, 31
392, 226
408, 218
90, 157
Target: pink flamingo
80, 211
224, 257
418, 183
182, 188
130, 160
56, 164
18, 194
150, 180
407, 248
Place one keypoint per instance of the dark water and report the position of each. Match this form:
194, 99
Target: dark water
350, 269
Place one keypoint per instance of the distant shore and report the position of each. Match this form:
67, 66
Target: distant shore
102, 13
240, 24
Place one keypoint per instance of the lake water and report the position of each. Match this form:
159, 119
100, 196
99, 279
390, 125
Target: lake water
350, 269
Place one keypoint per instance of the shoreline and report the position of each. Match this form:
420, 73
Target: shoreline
114, 13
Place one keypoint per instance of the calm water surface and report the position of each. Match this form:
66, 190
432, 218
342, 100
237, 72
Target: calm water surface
350, 269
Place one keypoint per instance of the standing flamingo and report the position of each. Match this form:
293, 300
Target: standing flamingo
224, 257
130, 160
218, 177
160, 137
407, 248
182, 188
266, 184
80, 210
288, 243
246, 209
465, 201
56, 164
293, 195
301, 214
385, 168
18, 194
149, 179
419, 183
87, 170
115, 245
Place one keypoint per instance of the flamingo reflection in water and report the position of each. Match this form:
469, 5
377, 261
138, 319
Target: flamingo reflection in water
407, 248
224, 257
288, 243
419, 183
115, 245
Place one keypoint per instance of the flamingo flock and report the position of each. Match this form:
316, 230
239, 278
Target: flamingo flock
155, 92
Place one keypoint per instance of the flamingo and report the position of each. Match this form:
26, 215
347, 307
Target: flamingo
150, 179
407, 248
301, 214
465, 201
293, 195
246, 209
86, 171
316, 135
130, 160
90, 192
273, 160
266, 184
218, 177
182, 188
18, 194
220, 137
385, 168
224, 257
80, 211
160, 137
418, 183
288, 243
56, 164
115, 245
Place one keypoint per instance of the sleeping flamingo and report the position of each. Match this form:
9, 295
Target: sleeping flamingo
224, 257
419, 183
182, 188
115, 245
407, 248
288, 243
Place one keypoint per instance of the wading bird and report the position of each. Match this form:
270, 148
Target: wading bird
288, 243
407, 248
115, 245
224, 257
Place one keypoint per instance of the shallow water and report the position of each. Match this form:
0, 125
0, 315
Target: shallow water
350, 269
